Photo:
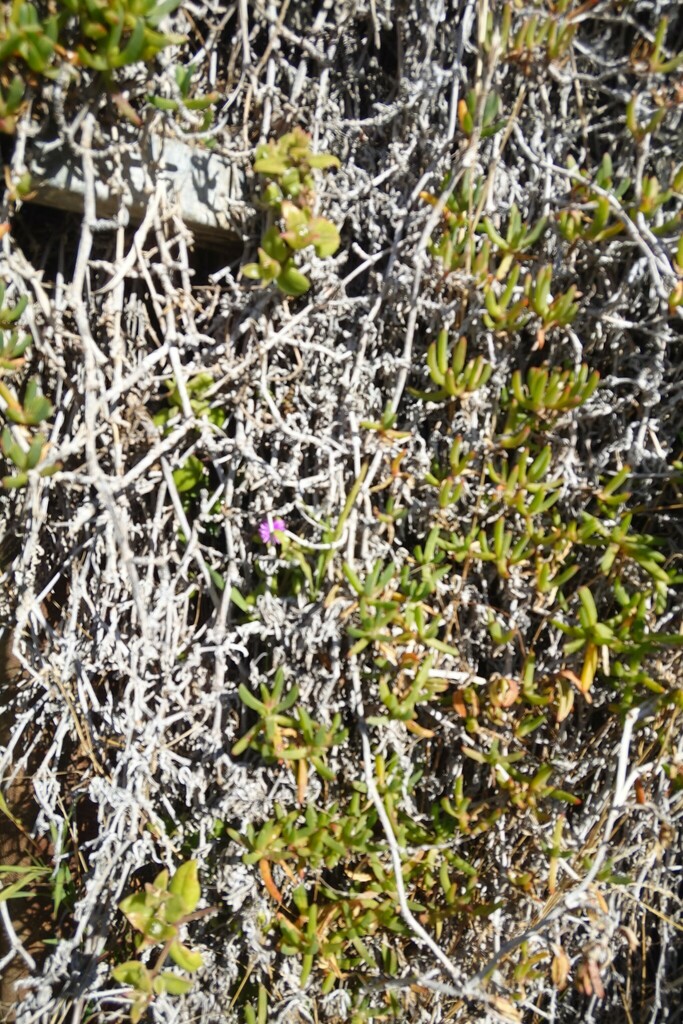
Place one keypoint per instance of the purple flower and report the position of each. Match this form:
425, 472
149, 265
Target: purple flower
270, 530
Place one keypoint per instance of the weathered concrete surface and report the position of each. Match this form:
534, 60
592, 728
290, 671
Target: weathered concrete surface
209, 187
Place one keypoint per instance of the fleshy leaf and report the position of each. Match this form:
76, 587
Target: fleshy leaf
161, 881
174, 909
185, 885
270, 165
322, 161
269, 267
298, 222
171, 983
293, 216
133, 973
188, 959
273, 243
324, 236
252, 271
292, 282
137, 909
188, 476
158, 931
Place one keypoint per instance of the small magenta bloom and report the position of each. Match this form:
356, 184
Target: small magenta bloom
270, 530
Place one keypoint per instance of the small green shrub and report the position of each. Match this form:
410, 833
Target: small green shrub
158, 914
114, 35
453, 377
288, 196
107, 36
278, 736
534, 404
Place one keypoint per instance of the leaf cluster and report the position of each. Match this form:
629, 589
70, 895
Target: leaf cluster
344, 889
594, 216
528, 39
536, 402
158, 913
510, 309
469, 115
289, 198
518, 240
281, 737
106, 35
394, 607
114, 35
454, 377
25, 450
184, 80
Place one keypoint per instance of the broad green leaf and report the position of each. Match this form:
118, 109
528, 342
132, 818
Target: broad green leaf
292, 282
291, 182
298, 238
189, 476
185, 884
293, 215
172, 983
161, 881
138, 1009
322, 161
174, 909
324, 236
137, 909
159, 931
187, 959
298, 224
271, 165
272, 195
273, 243
134, 973
252, 271
269, 268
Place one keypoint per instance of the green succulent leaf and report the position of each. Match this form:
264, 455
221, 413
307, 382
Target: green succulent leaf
185, 885
275, 246
133, 973
291, 281
169, 982
325, 237
252, 271
138, 910
271, 165
323, 161
189, 475
187, 959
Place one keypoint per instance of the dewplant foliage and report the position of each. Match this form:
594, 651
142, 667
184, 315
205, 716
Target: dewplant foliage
399, 629
93, 34
24, 450
158, 914
436, 500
